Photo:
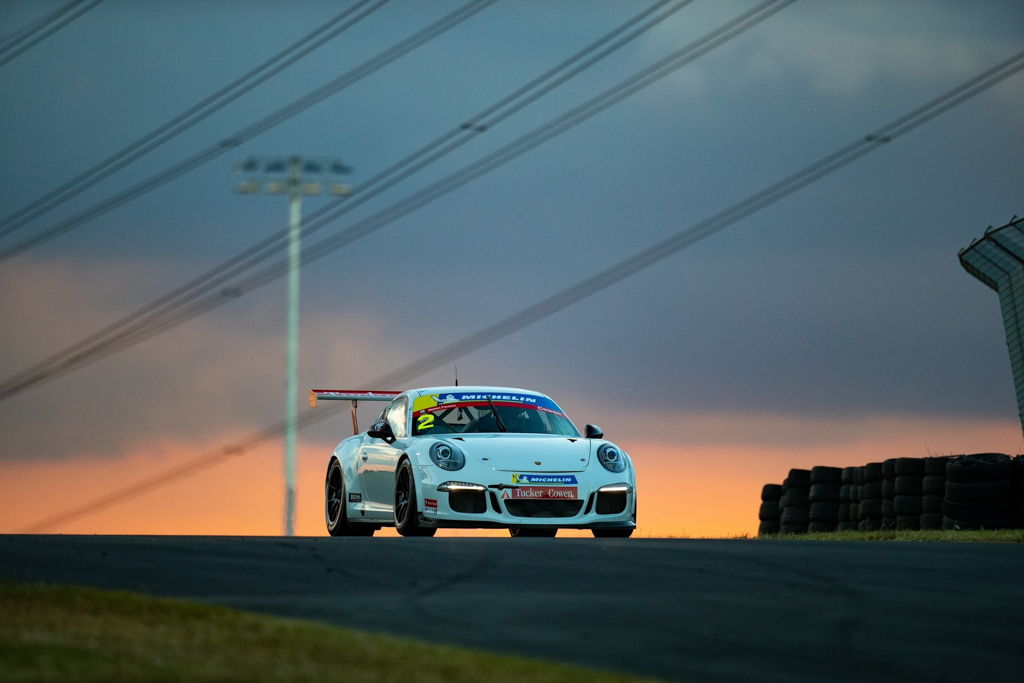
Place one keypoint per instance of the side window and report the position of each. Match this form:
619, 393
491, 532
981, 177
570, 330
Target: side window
396, 417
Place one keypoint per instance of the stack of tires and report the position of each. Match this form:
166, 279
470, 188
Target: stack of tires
870, 507
889, 493
908, 483
848, 500
793, 515
978, 490
769, 512
823, 514
933, 490
1017, 498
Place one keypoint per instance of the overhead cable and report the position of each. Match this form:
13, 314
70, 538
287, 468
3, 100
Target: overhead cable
203, 109
34, 33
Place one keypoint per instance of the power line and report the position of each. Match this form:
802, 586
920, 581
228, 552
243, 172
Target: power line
656, 253
146, 321
191, 116
262, 125
42, 28
156, 321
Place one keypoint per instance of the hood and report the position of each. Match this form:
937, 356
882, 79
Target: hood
525, 452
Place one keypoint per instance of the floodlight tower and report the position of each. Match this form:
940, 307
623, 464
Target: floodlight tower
997, 259
294, 184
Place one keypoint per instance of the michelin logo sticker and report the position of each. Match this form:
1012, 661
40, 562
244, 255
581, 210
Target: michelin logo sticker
544, 479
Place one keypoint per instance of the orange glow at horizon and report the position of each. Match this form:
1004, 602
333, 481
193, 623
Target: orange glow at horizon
685, 490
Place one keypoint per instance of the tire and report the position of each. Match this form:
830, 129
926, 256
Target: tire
335, 510
871, 491
935, 466
846, 526
871, 508
931, 504
795, 498
931, 520
889, 507
1017, 468
820, 527
844, 511
823, 492
912, 467
908, 485
968, 469
407, 520
976, 512
767, 528
907, 505
799, 478
769, 511
598, 533
849, 475
933, 484
823, 512
889, 468
888, 489
826, 475
873, 472
794, 515
978, 491
771, 492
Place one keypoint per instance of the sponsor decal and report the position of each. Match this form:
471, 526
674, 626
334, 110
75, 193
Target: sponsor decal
545, 479
430, 505
545, 492
355, 498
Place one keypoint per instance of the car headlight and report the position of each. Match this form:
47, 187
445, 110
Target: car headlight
611, 457
447, 457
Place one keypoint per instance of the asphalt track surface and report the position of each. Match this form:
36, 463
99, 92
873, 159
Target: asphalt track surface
731, 610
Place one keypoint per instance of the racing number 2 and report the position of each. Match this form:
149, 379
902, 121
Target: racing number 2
425, 422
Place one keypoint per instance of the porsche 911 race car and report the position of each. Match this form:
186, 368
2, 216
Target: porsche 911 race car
475, 457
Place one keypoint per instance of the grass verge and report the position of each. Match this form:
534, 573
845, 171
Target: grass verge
71, 633
958, 535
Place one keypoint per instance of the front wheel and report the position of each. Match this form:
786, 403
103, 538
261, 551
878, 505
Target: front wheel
335, 509
407, 520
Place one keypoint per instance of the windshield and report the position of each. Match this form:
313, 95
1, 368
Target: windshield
491, 412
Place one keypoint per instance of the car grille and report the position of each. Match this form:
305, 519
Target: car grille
467, 501
543, 508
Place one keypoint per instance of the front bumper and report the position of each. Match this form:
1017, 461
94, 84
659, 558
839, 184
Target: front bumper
457, 503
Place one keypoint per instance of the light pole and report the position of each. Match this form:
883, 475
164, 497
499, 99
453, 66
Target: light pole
295, 186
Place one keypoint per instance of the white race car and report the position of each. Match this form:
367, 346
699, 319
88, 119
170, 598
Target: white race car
475, 457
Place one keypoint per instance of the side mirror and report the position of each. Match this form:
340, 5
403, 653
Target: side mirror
381, 430
593, 432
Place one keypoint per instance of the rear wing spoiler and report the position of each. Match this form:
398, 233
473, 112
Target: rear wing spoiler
354, 396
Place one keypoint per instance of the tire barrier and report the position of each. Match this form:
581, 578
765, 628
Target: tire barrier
794, 513
823, 513
847, 500
768, 515
1017, 493
889, 493
976, 491
870, 508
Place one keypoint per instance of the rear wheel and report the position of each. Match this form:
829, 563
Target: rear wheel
531, 532
613, 533
335, 509
407, 520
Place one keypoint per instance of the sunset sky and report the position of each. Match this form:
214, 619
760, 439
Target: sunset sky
833, 327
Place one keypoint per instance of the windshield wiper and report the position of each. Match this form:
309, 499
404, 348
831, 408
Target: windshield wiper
497, 417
